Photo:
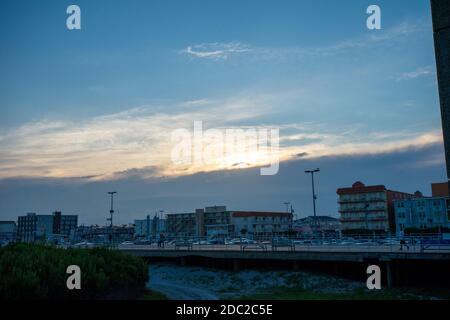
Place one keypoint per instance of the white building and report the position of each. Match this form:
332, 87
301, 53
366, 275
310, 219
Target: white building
422, 213
149, 227
255, 224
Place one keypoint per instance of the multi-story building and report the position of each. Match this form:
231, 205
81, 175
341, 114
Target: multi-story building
440, 189
34, 227
7, 231
149, 227
422, 213
261, 224
217, 221
323, 224
64, 225
368, 207
211, 221
184, 225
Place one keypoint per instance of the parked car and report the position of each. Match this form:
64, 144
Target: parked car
126, 243
240, 241
143, 242
84, 245
281, 241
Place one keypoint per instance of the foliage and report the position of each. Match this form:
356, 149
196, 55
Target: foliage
36, 271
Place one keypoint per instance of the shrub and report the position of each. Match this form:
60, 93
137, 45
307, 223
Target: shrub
34, 271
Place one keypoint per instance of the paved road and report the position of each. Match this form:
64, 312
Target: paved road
178, 291
301, 248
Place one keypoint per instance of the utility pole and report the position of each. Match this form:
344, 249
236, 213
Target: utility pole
110, 219
287, 206
313, 195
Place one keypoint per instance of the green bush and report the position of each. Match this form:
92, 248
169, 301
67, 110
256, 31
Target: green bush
32, 271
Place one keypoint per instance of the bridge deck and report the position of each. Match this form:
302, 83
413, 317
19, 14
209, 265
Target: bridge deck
322, 253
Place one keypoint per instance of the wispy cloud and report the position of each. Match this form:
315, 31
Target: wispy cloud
419, 72
222, 51
216, 50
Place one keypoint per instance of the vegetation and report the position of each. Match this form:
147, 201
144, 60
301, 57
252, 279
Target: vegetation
358, 294
36, 271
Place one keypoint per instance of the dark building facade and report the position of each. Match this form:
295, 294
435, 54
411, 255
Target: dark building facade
441, 29
34, 226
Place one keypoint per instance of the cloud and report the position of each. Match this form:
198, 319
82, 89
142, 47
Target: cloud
216, 50
100, 146
419, 72
109, 146
222, 51
407, 170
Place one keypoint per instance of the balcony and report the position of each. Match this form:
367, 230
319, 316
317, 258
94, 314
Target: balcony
361, 201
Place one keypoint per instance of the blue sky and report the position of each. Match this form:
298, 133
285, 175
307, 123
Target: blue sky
104, 99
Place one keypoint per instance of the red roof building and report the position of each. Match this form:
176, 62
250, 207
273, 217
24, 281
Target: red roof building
368, 207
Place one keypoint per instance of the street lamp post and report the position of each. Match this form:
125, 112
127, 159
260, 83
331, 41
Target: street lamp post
287, 206
110, 219
313, 195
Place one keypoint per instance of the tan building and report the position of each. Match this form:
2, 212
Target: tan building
368, 207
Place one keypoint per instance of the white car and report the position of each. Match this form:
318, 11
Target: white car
127, 243
84, 245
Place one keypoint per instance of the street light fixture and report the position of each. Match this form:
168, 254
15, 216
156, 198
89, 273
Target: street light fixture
313, 195
111, 211
287, 205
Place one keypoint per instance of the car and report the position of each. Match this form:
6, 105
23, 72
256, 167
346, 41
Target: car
282, 241
127, 243
201, 242
143, 242
216, 241
84, 244
240, 241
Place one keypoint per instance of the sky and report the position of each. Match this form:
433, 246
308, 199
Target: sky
83, 112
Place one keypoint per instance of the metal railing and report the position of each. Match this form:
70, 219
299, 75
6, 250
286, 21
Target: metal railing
418, 243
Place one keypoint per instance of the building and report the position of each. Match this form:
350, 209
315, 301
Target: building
183, 225
324, 224
150, 227
439, 189
368, 207
211, 222
8, 231
101, 234
257, 224
218, 222
64, 225
422, 213
441, 29
34, 227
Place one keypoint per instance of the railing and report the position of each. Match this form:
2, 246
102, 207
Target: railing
422, 243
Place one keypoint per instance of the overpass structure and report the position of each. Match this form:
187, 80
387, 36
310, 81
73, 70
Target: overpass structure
409, 267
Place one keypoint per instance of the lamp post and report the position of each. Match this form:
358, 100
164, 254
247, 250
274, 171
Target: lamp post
313, 195
110, 219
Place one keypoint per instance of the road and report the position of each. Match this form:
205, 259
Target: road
300, 248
